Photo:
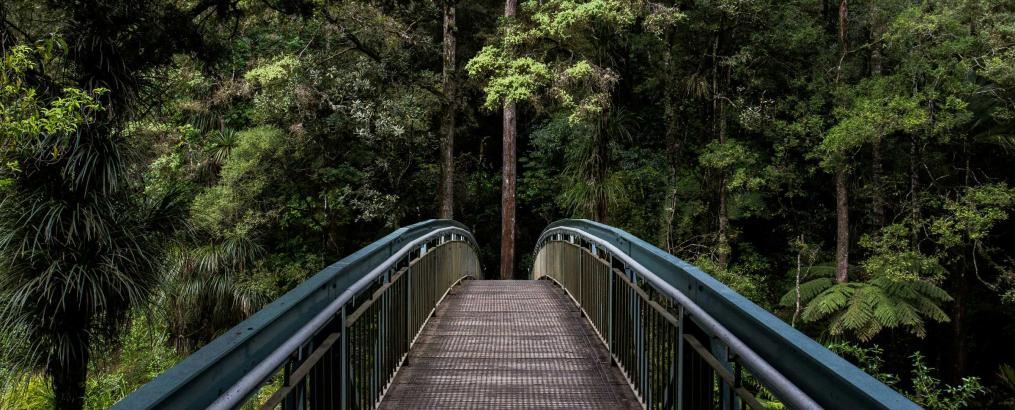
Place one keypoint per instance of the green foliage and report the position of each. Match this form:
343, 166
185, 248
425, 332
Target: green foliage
875, 113
567, 19
203, 293
925, 389
521, 69
745, 277
930, 393
737, 161
141, 355
511, 80
287, 135
28, 117
79, 247
869, 359
863, 309
272, 72
973, 214
1006, 395
32, 393
231, 205
893, 256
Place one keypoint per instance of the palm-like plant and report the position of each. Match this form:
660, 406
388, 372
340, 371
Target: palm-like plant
79, 243
203, 292
79, 249
217, 150
591, 189
863, 309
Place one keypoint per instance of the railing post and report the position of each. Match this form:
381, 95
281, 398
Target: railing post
289, 402
721, 351
408, 309
609, 303
678, 360
581, 273
343, 361
639, 339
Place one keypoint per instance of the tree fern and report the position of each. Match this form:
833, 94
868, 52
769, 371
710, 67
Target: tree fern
863, 309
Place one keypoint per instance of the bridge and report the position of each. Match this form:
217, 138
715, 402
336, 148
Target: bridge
605, 321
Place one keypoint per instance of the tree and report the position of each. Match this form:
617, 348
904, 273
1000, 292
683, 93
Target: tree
508, 171
81, 242
447, 188
80, 246
841, 169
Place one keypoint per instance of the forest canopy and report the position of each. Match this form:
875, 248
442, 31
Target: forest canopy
168, 167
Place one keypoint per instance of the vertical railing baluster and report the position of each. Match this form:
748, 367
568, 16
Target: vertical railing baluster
679, 360
343, 356
610, 344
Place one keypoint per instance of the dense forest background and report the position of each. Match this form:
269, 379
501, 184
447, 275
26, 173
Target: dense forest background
169, 166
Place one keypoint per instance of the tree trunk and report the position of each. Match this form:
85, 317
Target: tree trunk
673, 148
959, 329
799, 268
959, 348
914, 181
841, 190
878, 202
447, 189
841, 225
719, 127
724, 217
600, 169
507, 231
69, 375
507, 236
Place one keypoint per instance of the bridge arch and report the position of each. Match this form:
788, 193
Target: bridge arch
677, 337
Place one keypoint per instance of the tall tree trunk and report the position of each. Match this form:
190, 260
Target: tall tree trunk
507, 231
719, 127
959, 329
914, 181
507, 234
959, 348
841, 225
447, 189
69, 374
600, 168
673, 148
878, 200
841, 189
724, 217
799, 269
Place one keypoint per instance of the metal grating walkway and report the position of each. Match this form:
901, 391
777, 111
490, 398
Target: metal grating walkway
508, 345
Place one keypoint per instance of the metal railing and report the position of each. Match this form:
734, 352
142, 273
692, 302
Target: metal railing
334, 342
685, 340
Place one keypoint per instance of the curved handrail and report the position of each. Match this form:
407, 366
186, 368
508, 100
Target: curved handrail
797, 368
226, 370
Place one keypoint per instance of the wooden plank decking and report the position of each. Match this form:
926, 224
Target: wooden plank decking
508, 345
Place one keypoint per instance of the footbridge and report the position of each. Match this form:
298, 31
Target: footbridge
605, 321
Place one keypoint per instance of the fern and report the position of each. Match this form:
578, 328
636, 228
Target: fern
864, 309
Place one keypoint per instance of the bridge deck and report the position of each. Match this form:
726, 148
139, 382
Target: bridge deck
508, 345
